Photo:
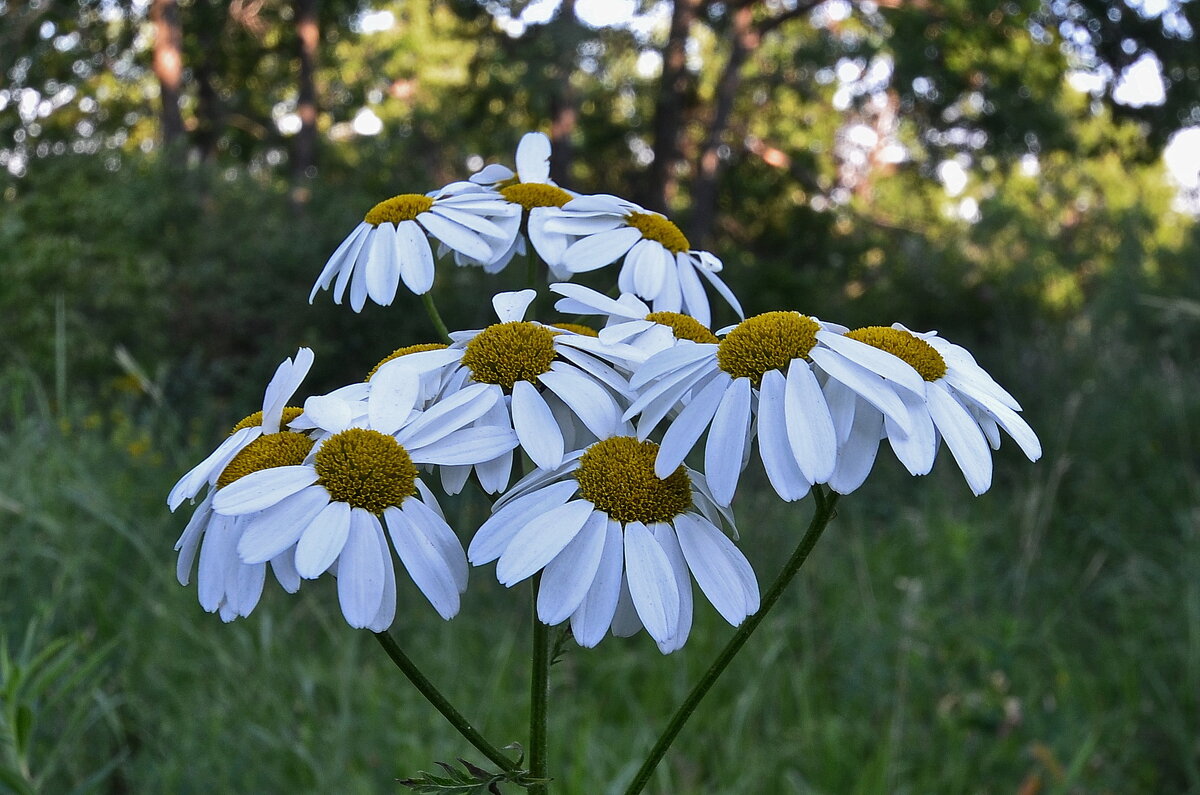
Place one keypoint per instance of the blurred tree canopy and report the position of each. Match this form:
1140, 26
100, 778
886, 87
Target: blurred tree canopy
176, 171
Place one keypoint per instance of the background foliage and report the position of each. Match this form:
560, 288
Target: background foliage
934, 164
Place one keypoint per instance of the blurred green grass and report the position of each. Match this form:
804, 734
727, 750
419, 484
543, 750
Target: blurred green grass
1042, 638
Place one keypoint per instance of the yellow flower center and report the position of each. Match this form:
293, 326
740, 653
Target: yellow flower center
535, 194
657, 228
923, 357
404, 207
396, 354
366, 469
509, 352
578, 329
254, 420
617, 476
769, 341
266, 452
685, 327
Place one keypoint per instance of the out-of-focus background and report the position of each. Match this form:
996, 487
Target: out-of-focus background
1023, 176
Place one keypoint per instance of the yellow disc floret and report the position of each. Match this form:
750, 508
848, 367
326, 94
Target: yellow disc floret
366, 469
254, 420
617, 476
656, 227
577, 328
396, 354
923, 357
271, 450
685, 327
509, 352
404, 207
769, 341
535, 194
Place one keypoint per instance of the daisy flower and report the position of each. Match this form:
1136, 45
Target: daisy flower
956, 400
225, 584
542, 382
617, 545
360, 477
392, 242
660, 265
766, 369
629, 320
533, 192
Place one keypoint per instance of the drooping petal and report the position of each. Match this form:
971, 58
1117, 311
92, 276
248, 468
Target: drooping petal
387, 602
594, 406
535, 426
494, 536
456, 236
664, 534
322, 541
773, 446
857, 454
424, 561
361, 577
728, 439
342, 258
262, 489
810, 428
539, 541
269, 533
416, 257
720, 568
962, 436
651, 582
569, 575
434, 527
383, 265
687, 428
598, 250
448, 415
594, 616
466, 446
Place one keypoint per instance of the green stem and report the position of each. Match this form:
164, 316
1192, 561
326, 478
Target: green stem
821, 519
539, 693
434, 696
435, 316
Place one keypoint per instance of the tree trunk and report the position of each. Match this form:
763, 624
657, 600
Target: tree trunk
673, 89
304, 149
168, 66
564, 111
745, 37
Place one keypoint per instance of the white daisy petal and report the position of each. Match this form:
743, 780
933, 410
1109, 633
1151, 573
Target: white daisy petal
672, 359
393, 396
916, 449
283, 566
472, 221
456, 236
434, 527
268, 534
361, 577
810, 428
491, 174
773, 446
416, 257
342, 258
211, 467
382, 268
424, 561
695, 302
329, 413
727, 440
466, 447
857, 454
533, 157
358, 279
262, 489
494, 536
512, 306
1012, 423
352, 264
868, 385
534, 423
580, 300
625, 621
874, 359
189, 540
594, 406
594, 616
287, 379
688, 427
218, 561
599, 249
720, 568
651, 582
962, 436
387, 602
448, 415
664, 534
540, 540
322, 540
724, 291
568, 577
646, 262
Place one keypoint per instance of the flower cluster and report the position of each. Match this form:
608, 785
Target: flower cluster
595, 423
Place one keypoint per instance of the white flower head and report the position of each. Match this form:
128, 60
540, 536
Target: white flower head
630, 321
529, 188
546, 384
360, 477
955, 400
617, 545
762, 379
391, 245
660, 265
225, 584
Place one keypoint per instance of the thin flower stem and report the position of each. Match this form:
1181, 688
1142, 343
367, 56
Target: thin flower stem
821, 518
539, 693
435, 316
434, 696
